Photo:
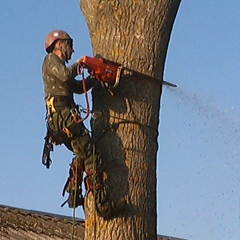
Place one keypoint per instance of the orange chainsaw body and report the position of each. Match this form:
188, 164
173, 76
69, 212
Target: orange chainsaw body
103, 70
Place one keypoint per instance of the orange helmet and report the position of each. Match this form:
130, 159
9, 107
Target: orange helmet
53, 36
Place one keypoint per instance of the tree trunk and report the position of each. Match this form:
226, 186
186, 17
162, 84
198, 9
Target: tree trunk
136, 34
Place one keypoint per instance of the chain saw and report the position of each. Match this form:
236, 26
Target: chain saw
109, 73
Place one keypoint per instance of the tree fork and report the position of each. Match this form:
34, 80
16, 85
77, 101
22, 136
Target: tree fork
136, 34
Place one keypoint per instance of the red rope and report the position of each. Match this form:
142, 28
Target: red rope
80, 70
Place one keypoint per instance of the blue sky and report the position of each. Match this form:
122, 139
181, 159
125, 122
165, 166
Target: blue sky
198, 161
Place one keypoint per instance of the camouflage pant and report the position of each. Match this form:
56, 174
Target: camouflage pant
77, 139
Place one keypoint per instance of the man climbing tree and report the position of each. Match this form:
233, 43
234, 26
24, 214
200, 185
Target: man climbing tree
135, 34
65, 125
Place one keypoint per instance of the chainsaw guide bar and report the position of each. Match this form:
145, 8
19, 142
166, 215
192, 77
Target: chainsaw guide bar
110, 72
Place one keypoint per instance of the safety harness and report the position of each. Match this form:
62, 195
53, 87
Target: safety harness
58, 103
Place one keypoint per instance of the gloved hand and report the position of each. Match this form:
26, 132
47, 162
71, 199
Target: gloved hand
80, 61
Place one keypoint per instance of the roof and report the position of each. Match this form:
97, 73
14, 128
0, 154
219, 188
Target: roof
22, 224
161, 237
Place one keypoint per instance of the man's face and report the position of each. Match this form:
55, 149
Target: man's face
69, 49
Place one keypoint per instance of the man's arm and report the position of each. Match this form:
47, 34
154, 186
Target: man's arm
77, 85
58, 69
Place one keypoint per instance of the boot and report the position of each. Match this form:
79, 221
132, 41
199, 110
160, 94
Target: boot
73, 185
75, 198
94, 182
107, 208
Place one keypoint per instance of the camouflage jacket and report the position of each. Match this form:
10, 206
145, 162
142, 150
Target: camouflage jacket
59, 80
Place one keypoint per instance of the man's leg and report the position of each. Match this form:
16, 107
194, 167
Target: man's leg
83, 148
74, 184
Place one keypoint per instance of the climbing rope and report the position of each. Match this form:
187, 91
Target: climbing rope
80, 70
94, 191
74, 202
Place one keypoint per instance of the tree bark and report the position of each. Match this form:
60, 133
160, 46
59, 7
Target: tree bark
136, 34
